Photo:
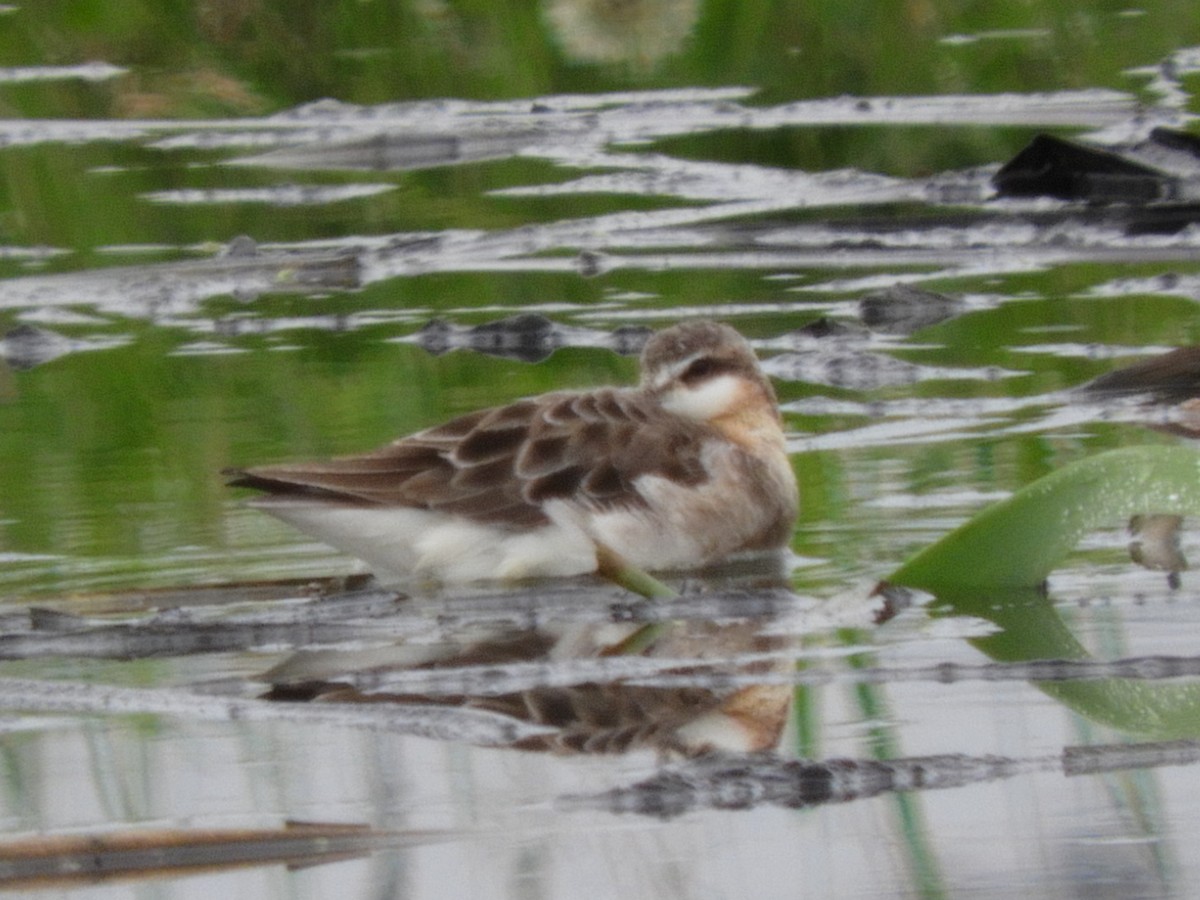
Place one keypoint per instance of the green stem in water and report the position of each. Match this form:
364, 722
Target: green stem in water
620, 572
625, 574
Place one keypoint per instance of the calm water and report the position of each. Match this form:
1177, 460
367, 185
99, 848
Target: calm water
236, 234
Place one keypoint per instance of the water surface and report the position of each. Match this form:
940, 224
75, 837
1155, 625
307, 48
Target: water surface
233, 235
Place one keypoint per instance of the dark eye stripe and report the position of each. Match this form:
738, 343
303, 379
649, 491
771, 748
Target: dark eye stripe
705, 367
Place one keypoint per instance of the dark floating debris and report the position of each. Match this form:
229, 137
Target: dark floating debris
843, 368
185, 622
1165, 167
528, 337
172, 291
826, 328
395, 152
592, 263
903, 309
27, 346
766, 780
242, 246
797, 784
1053, 167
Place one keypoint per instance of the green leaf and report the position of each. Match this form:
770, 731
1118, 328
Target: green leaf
1017, 542
991, 568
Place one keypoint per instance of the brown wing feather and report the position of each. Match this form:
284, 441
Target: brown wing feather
500, 465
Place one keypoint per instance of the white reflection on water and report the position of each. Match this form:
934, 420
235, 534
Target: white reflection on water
499, 812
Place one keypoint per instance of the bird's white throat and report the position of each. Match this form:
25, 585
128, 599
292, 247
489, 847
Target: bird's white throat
707, 400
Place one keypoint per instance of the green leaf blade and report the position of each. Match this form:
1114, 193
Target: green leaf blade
1018, 542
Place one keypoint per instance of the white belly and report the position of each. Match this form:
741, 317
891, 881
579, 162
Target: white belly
400, 543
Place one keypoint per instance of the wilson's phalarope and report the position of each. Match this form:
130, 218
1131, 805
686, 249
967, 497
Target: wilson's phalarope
687, 469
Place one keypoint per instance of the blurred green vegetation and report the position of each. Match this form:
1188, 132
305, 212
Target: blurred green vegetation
222, 57
230, 58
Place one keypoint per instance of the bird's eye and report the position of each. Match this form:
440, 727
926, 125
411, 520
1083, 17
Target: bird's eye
700, 369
